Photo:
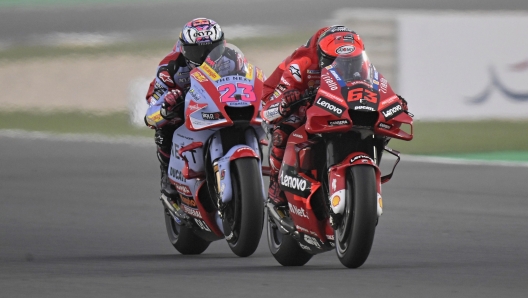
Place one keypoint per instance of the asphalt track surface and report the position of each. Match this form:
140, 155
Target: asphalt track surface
82, 219
147, 19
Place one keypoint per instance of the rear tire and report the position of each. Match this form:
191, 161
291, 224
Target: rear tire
247, 206
183, 238
355, 234
284, 248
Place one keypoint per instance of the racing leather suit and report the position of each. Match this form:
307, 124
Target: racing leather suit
173, 72
298, 71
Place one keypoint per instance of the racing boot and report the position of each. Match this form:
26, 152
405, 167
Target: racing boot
166, 187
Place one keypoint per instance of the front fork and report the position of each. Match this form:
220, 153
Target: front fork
366, 151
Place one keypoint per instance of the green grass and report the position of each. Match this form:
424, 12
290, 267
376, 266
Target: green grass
443, 138
430, 138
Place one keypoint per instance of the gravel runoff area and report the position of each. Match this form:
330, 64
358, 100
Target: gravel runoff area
102, 84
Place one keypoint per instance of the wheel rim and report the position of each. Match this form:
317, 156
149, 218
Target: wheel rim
175, 227
274, 237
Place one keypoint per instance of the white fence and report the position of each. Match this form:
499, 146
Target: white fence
451, 65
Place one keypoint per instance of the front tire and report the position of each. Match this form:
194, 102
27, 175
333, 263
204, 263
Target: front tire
355, 234
183, 238
284, 248
247, 207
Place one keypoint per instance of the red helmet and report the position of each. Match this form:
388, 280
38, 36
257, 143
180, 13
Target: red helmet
198, 38
338, 40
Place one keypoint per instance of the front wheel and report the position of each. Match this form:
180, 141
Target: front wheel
355, 234
247, 207
284, 248
183, 238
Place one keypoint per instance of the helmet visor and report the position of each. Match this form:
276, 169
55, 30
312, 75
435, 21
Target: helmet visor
196, 53
355, 68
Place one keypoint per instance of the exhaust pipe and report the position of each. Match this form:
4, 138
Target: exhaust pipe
175, 210
285, 224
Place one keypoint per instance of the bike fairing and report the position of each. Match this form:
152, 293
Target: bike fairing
327, 115
210, 94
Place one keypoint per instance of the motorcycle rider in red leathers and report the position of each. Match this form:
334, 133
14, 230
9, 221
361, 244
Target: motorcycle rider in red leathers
297, 75
167, 91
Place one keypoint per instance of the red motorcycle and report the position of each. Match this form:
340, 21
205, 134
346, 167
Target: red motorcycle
330, 172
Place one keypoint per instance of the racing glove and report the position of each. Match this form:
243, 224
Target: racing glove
404, 103
172, 104
288, 99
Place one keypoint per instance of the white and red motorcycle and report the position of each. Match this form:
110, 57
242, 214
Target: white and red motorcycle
216, 160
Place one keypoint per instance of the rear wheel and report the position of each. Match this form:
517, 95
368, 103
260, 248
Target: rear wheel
355, 234
183, 238
284, 248
246, 215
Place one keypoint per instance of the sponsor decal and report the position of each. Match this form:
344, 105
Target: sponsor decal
330, 82
193, 106
335, 74
152, 100
313, 71
330, 96
388, 101
202, 225
243, 149
251, 70
297, 135
335, 200
291, 182
191, 211
154, 118
364, 108
346, 49
329, 106
165, 78
212, 116
194, 95
184, 190
284, 82
384, 125
299, 228
271, 114
210, 72
340, 29
188, 201
338, 122
312, 241
383, 85
296, 72
357, 157
304, 247
363, 94
199, 77
177, 174
299, 211
296, 183
330, 237
260, 75
392, 111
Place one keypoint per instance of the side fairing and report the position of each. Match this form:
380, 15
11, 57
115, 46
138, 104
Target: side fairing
183, 137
